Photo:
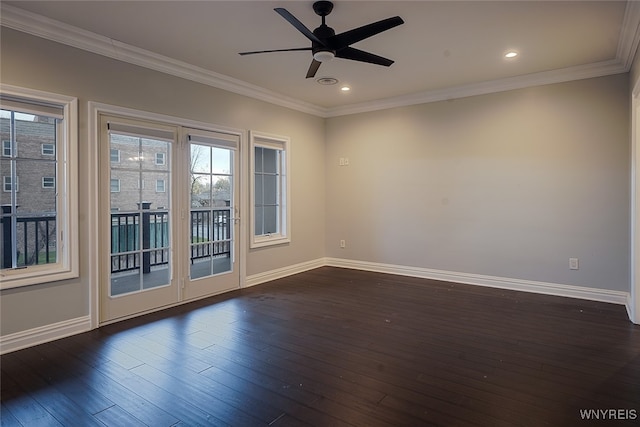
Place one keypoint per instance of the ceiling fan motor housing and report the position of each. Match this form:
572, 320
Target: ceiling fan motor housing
323, 32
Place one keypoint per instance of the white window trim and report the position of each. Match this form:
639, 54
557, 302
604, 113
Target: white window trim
7, 180
111, 186
67, 266
161, 156
47, 178
42, 149
111, 157
164, 186
10, 149
259, 139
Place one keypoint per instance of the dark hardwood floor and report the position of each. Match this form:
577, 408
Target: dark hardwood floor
333, 347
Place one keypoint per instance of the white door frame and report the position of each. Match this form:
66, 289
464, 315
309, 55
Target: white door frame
195, 288
92, 223
634, 303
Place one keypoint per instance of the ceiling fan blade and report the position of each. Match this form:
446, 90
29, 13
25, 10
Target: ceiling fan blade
362, 56
350, 37
274, 50
313, 68
299, 25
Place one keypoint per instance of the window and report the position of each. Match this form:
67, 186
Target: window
6, 148
270, 208
160, 186
160, 159
6, 184
40, 237
48, 182
48, 150
115, 155
115, 185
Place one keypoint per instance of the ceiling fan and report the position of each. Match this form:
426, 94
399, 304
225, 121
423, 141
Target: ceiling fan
326, 44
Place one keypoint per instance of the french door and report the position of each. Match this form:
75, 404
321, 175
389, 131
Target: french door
213, 219
167, 215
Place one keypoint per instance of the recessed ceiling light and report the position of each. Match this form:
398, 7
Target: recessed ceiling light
345, 88
511, 54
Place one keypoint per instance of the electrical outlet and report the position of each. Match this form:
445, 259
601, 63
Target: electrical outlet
346, 161
574, 264
341, 161
343, 244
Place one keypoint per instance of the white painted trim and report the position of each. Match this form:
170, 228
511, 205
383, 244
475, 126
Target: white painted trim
634, 268
580, 72
92, 234
68, 266
43, 334
283, 144
279, 273
629, 35
571, 291
94, 110
37, 25
117, 110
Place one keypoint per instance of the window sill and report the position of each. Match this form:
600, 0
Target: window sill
16, 278
269, 240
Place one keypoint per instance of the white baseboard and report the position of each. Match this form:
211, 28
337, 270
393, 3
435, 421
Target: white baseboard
40, 335
43, 334
629, 305
256, 279
571, 291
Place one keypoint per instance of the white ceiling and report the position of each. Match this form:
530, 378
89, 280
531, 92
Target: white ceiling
445, 48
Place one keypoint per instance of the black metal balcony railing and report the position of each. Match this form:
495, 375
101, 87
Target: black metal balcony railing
35, 239
210, 234
134, 245
126, 240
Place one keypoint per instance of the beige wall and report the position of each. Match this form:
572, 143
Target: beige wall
510, 184
39, 64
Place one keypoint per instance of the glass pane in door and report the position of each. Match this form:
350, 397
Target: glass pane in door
211, 219
140, 176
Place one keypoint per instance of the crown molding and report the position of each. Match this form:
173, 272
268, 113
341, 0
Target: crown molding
629, 35
40, 26
587, 71
50, 29
625, 54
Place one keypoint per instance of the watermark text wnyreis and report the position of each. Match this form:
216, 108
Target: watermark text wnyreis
608, 414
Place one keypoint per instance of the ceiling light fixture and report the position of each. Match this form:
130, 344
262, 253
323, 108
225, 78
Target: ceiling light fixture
324, 55
345, 88
511, 54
